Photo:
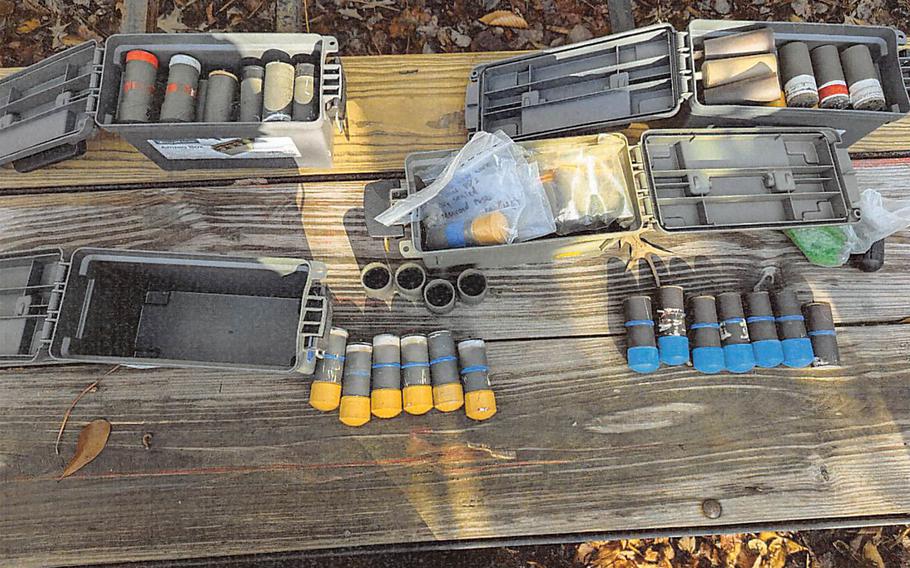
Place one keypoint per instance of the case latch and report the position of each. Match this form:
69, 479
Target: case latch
334, 87
53, 304
377, 197
642, 187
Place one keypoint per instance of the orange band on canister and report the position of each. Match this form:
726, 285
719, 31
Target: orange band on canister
140, 55
832, 88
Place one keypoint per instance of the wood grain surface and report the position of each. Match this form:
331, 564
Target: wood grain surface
397, 104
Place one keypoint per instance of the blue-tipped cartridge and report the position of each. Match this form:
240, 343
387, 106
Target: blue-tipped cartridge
762, 329
734, 334
791, 328
707, 353
672, 341
641, 351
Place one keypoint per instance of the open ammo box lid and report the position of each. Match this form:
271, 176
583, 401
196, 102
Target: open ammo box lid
691, 180
161, 309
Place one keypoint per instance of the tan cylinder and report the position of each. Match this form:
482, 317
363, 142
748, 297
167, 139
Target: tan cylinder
724, 71
745, 43
750, 92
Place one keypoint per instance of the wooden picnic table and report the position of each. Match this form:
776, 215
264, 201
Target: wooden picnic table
581, 446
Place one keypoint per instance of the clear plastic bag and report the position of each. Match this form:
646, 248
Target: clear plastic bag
488, 193
832, 246
586, 184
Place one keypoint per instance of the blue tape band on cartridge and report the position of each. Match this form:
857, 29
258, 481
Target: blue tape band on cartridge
823, 332
358, 373
475, 369
386, 365
756, 319
633, 323
443, 359
415, 364
706, 324
333, 357
734, 320
455, 234
791, 318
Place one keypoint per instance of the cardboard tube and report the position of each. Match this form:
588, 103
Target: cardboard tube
745, 43
750, 92
220, 96
866, 91
252, 77
180, 94
724, 71
278, 89
832, 85
137, 87
797, 75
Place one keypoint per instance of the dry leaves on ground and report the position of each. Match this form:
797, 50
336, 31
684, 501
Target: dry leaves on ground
92, 440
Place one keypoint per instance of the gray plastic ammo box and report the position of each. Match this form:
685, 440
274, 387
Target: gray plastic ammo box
48, 110
678, 181
649, 75
162, 309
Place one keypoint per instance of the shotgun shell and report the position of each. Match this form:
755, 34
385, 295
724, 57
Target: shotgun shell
791, 328
137, 87
220, 96
866, 91
472, 286
672, 342
252, 76
386, 394
734, 333
797, 76
832, 86
487, 229
278, 88
417, 390
448, 394
707, 353
641, 346
439, 296
202, 89
180, 94
325, 391
479, 400
409, 281
355, 385
820, 323
376, 279
745, 43
765, 344
306, 88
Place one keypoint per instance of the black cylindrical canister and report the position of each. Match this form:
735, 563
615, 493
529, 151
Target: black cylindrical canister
220, 96
355, 384
797, 76
472, 286
180, 94
448, 394
707, 354
641, 345
672, 341
202, 90
410, 278
137, 87
325, 392
791, 328
832, 86
820, 323
439, 296
734, 333
278, 89
479, 400
306, 88
386, 392
252, 76
763, 330
417, 389
866, 91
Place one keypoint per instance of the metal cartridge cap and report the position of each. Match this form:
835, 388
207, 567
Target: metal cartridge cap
417, 399
448, 397
325, 396
480, 405
354, 411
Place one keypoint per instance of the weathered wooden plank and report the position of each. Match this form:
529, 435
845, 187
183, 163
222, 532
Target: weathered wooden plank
396, 105
139, 16
324, 221
240, 464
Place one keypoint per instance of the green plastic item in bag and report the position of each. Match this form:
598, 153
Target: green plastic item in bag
823, 246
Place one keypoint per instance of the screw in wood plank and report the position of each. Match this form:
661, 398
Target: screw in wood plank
711, 508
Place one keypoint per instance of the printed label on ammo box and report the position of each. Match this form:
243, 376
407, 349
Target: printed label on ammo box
227, 148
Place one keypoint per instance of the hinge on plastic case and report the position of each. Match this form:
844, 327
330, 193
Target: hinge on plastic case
314, 313
53, 304
687, 75
335, 92
639, 178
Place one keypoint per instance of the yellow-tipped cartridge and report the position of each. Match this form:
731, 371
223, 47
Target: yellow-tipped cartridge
448, 394
386, 393
416, 393
325, 391
479, 400
355, 385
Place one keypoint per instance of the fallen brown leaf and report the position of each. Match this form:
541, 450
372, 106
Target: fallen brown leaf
504, 19
871, 554
28, 26
687, 544
92, 440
